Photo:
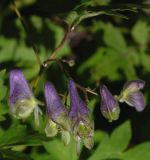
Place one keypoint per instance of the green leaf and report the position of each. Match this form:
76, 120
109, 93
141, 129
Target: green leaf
121, 137
114, 38
3, 88
22, 55
41, 156
114, 59
113, 146
140, 32
17, 135
95, 8
84, 15
34, 140
12, 135
77, 16
3, 110
57, 150
103, 151
70, 17
107, 62
139, 152
24, 3
92, 61
58, 36
99, 135
2, 74
6, 154
145, 61
16, 51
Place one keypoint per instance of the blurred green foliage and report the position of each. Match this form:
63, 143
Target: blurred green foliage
105, 48
116, 54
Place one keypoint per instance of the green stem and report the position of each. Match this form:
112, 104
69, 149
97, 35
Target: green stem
25, 26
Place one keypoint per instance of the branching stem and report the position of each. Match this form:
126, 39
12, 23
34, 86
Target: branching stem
53, 57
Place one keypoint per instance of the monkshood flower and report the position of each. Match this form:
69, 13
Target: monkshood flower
131, 94
57, 114
21, 100
109, 105
82, 127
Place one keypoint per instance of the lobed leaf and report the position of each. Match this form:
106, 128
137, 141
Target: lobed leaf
113, 146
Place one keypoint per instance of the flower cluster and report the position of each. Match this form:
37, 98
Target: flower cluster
76, 120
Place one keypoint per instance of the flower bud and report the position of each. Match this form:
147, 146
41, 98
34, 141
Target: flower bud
21, 100
82, 127
109, 105
132, 96
57, 113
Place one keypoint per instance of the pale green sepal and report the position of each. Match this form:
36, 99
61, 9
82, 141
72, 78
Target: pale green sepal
37, 111
112, 115
88, 142
23, 108
51, 128
64, 121
65, 136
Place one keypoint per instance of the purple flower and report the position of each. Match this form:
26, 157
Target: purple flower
134, 85
19, 88
82, 127
131, 94
57, 113
109, 105
77, 105
54, 104
21, 100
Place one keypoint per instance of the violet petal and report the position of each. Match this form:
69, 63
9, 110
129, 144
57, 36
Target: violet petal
76, 104
19, 88
136, 100
109, 105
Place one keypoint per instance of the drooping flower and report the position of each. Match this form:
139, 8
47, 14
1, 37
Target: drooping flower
21, 100
57, 114
82, 127
109, 105
131, 94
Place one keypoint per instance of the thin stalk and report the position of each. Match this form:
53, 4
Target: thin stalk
25, 26
61, 44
